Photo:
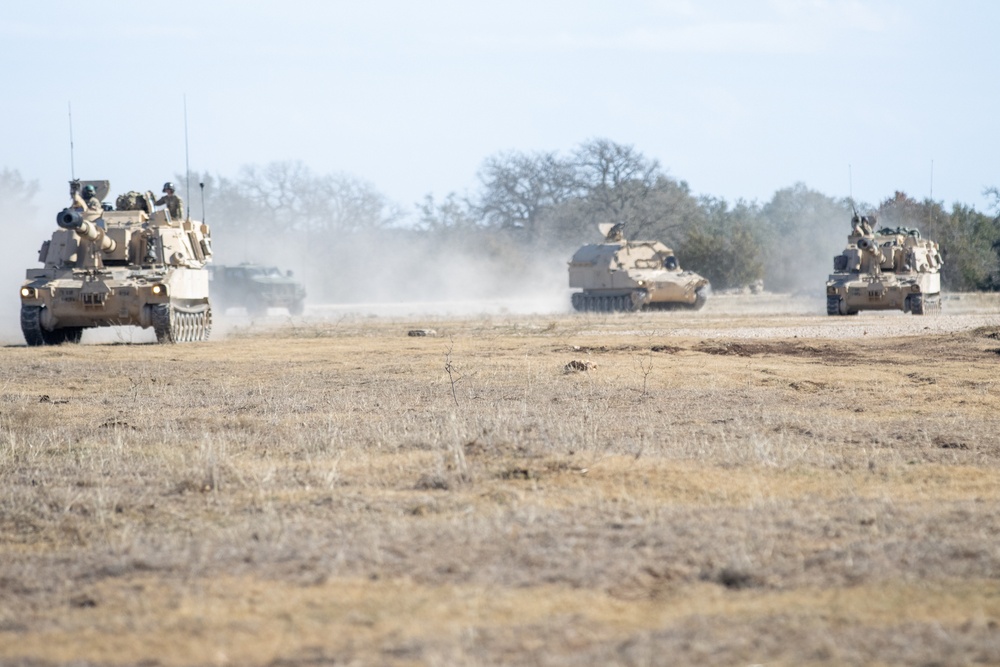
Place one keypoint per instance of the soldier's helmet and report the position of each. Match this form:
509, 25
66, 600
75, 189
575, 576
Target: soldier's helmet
89, 191
168, 186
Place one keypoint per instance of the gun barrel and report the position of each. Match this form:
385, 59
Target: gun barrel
71, 219
869, 246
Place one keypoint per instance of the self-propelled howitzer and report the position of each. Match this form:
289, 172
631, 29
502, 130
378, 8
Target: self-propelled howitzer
885, 269
132, 266
623, 275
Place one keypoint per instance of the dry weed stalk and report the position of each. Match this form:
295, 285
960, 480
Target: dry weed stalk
449, 368
645, 363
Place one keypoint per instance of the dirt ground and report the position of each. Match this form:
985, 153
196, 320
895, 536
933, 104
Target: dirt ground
755, 483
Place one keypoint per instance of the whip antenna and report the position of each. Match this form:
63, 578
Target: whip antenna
187, 165
930, 207
72, 167
203, 215
932, 180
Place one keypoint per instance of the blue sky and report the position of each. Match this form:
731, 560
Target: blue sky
738, 98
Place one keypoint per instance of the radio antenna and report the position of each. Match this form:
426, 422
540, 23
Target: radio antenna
932, 179
72, 167
203, 216
930, 204
187, 165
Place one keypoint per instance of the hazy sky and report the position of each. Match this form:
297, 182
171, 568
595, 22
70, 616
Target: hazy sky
737, 97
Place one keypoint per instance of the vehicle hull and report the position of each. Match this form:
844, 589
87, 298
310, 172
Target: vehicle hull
633, 275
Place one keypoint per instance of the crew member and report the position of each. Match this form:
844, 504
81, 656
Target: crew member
86, 201
174, 204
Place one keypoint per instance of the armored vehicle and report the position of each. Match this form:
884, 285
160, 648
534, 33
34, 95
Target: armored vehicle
621, 275
256, 288
131, 266
887, 269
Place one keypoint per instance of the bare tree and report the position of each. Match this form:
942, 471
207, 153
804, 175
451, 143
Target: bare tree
621, 185
615, 177
519, 188
447, 216
343, 204
287, 196
995, 193
561, 201
280, 191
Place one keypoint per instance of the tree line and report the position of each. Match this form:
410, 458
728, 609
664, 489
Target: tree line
530, 205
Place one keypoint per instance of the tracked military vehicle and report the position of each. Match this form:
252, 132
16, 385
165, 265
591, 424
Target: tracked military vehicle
256, 288
622, 275
887, 269
132, 266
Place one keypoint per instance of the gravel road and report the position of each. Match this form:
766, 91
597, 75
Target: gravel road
782, 316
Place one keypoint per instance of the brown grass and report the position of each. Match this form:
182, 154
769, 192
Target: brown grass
324, 492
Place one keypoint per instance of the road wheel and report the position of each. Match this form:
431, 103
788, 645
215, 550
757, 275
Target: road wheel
164, 323
35, 335
31, 325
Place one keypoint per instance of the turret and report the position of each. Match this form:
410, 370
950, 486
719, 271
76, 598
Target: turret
871, 251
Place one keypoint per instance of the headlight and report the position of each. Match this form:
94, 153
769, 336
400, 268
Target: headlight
28, 292
159, 289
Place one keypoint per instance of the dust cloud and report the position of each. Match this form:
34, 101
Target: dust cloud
807, 266
797, 246
404, 272
24, 232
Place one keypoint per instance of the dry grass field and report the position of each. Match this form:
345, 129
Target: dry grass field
727, 487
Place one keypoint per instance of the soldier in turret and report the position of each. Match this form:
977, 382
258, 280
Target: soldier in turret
85, 201
174, 204
860, 225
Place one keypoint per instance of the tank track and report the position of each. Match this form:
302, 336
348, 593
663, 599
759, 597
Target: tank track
627, 303
600, 303
923, 304
35, 335
834, 305
181, 324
